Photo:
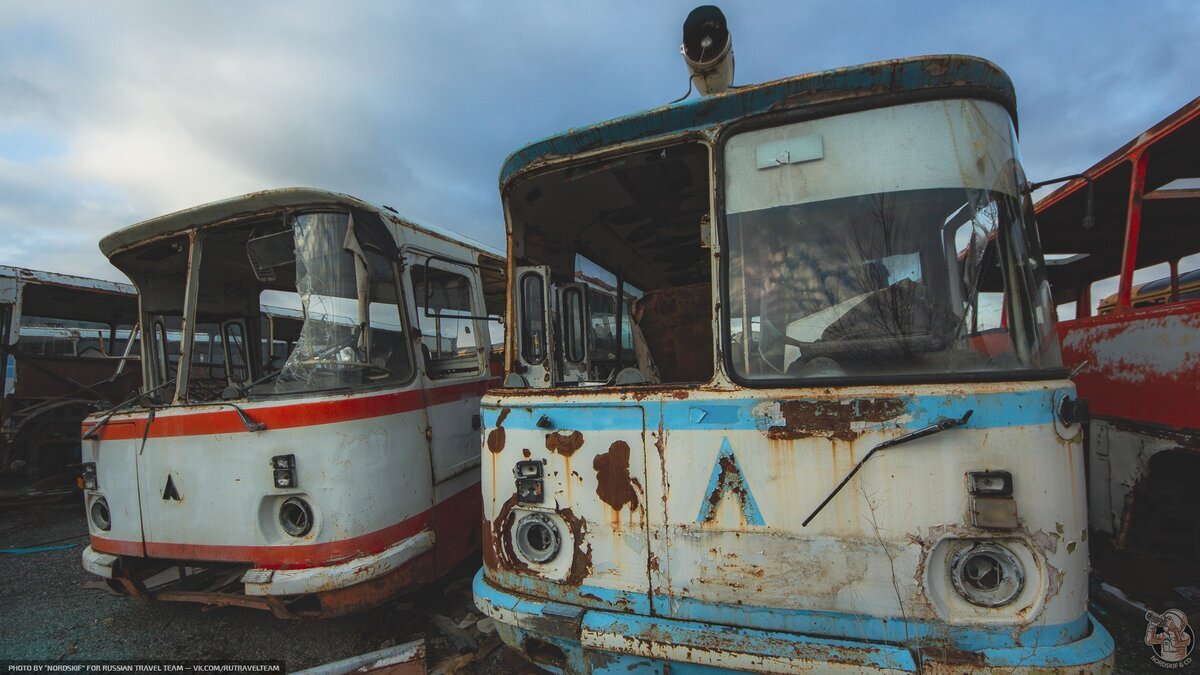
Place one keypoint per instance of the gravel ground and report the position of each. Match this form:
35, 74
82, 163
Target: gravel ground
51, 609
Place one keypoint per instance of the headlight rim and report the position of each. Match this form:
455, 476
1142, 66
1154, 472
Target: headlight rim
527, 524
1009, 563
296, 528
101, 522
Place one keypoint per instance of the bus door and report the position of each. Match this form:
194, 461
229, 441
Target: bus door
535, 342
579, 466
454, 348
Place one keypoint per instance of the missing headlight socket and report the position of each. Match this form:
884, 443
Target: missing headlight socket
530, 487
992, 503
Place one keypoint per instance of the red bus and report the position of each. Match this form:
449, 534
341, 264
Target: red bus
1129, 319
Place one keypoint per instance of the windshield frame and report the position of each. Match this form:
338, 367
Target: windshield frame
723, 271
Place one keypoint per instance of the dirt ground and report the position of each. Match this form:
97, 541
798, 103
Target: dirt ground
51, 609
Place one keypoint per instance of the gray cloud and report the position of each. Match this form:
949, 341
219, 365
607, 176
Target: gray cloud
145, 108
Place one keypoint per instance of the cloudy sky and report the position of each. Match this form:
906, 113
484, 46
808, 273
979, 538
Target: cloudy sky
113, 112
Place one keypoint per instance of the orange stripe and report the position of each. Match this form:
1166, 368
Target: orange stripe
296, 556
118, 547
226, 420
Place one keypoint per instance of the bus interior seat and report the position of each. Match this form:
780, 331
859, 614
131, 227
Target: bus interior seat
671, 322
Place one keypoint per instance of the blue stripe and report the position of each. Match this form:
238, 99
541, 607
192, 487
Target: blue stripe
1092, 645
749, 641
860, 627
995, 410
870, 80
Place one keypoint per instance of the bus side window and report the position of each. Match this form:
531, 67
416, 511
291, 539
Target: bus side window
1189, 277
445, 307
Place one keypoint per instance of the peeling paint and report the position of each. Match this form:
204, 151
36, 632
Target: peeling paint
843, 419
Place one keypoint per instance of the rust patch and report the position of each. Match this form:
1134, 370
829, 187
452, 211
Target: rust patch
540, 651
729, 479
495, 439
936, 68
581, 557
496, 547
614, 485
947, 656
832, 419
564, 443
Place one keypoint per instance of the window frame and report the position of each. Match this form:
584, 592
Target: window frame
421, 310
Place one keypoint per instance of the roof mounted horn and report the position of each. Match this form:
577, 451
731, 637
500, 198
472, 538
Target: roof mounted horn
708, 49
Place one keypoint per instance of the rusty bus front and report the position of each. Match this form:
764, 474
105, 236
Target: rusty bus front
809, 433
304, 441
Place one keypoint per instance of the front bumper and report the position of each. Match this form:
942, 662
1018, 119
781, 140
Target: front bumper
329, 577
100, 564
574, 640
262, 582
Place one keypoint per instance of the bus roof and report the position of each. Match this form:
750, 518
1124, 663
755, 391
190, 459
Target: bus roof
29, 276
940, 76
265, 200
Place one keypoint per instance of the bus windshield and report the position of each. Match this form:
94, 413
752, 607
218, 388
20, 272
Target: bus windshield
892, 242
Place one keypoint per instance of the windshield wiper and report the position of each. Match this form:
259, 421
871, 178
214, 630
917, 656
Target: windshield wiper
120, 406
251, 425
942, 424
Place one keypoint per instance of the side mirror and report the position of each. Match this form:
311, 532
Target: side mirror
1089, 217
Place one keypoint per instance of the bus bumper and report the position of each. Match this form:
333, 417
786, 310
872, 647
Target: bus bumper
328, 577
100, 564
324, 591
571, 639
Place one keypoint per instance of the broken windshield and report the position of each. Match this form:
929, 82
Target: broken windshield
863, 244
351, 333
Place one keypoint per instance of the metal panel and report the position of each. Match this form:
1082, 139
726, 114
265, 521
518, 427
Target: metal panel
360, 477
594, 468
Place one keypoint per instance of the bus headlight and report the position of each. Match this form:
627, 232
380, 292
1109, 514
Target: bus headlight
100, 515
295, 516
988, 575
537, 538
